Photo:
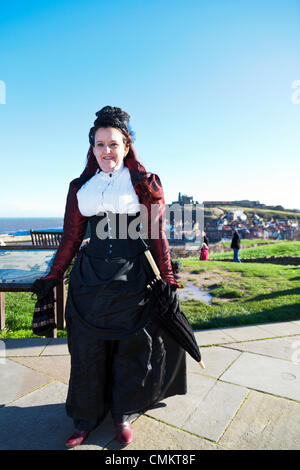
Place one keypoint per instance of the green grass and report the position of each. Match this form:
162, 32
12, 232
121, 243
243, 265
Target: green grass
284, 248
247, 243
19, 307
242, 294
265, 213
247, 294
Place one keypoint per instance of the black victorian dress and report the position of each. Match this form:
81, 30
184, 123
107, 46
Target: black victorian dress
122, 361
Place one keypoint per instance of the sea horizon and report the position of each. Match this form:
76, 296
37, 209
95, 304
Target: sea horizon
18, 226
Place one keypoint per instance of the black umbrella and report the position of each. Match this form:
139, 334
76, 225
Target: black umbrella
165, 307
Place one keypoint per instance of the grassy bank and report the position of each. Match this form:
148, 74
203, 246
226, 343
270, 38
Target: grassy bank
242, 294
284, 248
264, 213
248, 243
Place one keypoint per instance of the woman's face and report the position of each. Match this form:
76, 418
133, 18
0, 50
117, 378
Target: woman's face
109, 148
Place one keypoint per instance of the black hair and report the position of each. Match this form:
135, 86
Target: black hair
110, 116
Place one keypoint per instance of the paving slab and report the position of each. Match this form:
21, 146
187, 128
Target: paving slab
267, 374
223, 411
174, 410
216, 359
36, 421
23, 346
17, 380
282, 328
56, 367
215, 411
206, 412
281, 348
56, 347
212, 337
264, 422
244, 333
150, 434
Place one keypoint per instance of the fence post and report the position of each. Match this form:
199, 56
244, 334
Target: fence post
2, 310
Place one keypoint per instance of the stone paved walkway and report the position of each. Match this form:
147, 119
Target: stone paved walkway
248, 397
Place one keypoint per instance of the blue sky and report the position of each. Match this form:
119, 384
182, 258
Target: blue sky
208, 86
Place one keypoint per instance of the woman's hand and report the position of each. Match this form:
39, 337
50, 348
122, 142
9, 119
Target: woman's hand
42, 287
176, 285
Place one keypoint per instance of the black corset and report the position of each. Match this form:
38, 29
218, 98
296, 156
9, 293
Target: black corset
115, 236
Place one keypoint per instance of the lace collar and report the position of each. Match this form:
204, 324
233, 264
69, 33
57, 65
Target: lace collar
112, 174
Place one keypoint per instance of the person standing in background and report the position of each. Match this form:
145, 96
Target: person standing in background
204, 252
205, 240
236, 246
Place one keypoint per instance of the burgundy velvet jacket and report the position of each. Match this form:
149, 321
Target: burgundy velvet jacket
75, 224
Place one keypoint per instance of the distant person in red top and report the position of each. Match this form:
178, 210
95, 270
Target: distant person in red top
204, 252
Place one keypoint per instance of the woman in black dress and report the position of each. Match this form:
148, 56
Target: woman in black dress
122, 361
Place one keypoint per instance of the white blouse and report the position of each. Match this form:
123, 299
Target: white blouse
112, 192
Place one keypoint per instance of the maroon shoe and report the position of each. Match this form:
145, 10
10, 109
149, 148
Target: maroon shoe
124, 432
77, 438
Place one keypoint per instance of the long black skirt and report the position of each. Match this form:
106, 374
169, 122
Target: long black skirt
122, 361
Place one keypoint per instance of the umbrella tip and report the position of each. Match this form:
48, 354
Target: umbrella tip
202, 365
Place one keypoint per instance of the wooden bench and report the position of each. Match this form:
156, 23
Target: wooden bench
46, 239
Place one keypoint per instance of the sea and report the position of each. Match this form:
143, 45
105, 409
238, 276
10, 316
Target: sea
21, 226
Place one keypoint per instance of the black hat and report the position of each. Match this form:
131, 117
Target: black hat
110, 116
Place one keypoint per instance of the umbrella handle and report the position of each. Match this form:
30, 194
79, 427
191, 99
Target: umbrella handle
152, 264
202, 365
